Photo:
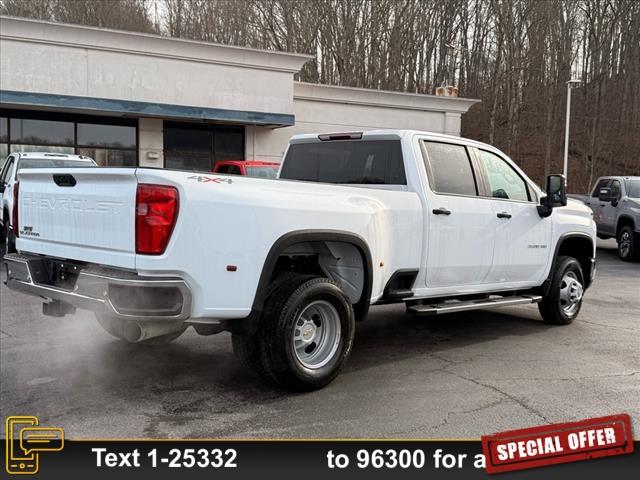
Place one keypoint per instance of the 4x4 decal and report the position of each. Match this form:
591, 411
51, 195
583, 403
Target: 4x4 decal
205, 179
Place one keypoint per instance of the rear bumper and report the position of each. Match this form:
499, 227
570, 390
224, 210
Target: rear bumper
119, 293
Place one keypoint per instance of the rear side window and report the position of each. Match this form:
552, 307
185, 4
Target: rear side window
633, 188
262, 172
449, 169
347, 162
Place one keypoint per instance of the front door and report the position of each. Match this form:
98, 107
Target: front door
608, 211
596, 205
460, 225
523, 238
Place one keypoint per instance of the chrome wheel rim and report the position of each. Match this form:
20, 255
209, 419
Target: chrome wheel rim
571, 291
625, 244
316, 334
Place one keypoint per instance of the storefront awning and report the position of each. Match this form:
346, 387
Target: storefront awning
128, 108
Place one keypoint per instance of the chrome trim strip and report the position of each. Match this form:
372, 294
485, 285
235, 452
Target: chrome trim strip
462, 306
91, 291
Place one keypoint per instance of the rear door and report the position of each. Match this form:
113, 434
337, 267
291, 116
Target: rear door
461, 226
521, 250
84, 214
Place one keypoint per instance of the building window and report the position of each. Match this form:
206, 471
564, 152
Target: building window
198, 147
110, 142
110, 157
95, 135
41, 132
117, 144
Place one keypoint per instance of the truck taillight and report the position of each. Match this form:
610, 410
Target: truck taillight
156, 214
14, 214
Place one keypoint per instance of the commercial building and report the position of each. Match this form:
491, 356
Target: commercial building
134, 99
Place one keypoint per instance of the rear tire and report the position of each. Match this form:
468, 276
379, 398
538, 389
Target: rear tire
304, 337
116, 327
628, 244
10, 242
246, 347
8, 238
564, 300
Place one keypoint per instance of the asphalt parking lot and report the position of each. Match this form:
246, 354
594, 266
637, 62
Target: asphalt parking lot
456, 376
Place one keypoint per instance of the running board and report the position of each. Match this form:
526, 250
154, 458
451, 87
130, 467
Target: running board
461, 306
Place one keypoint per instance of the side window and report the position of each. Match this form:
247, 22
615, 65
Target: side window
601, 184
5, 173
504, 181
449, 169
223, 169
615, 189
234, 170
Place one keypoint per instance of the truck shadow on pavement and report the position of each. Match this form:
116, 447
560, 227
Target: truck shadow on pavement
388, 335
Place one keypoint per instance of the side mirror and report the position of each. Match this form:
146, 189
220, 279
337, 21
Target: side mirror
606, 195
556, 195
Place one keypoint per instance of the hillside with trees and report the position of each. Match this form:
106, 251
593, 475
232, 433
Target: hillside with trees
514, 55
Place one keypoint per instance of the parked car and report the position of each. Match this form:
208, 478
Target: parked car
247, 168
9, 185
440, 223
615, 202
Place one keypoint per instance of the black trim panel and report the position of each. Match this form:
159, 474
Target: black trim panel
250, 323
546, 285
391, 293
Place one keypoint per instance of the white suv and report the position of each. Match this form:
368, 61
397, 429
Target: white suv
9, 184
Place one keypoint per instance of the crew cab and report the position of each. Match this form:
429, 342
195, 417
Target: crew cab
9, 185
439, 223
248, 168
615, 202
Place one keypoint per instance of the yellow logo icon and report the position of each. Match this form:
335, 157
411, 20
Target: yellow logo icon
25, 440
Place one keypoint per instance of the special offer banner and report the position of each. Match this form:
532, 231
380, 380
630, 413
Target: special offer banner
590, 449
559, 443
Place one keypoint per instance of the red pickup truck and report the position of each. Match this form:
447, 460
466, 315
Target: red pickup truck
247, 168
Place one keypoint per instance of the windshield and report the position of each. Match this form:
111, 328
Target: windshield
633, 188
53, 163
263, 172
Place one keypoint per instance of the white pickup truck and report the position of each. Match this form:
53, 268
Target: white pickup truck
440, 223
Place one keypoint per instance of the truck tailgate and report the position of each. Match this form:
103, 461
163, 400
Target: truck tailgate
85, 214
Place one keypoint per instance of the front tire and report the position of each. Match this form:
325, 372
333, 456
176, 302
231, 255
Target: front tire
564, 300
628, 244
304, 337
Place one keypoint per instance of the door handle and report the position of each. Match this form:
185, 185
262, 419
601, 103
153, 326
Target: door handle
504, 215
441, 211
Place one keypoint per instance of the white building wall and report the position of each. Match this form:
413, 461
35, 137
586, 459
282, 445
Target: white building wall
62, 59
70, 60
150, 142
324, 109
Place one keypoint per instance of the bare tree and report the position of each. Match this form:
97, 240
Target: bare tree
515, 55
